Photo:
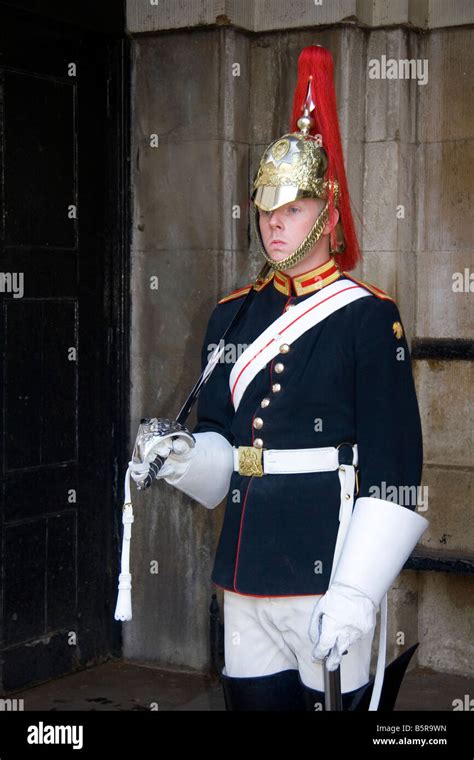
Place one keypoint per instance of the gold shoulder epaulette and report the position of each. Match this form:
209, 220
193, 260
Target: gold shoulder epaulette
246, 289
373, 288
236, 294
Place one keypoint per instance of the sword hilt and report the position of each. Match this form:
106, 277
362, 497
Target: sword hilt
153, 470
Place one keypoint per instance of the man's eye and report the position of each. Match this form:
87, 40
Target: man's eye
294, 208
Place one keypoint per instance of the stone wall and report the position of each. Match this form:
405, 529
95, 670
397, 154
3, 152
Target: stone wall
409, 158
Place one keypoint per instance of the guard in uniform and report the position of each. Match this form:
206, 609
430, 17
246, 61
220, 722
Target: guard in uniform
305, 433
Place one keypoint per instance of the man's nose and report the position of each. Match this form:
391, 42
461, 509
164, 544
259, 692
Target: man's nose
275, 219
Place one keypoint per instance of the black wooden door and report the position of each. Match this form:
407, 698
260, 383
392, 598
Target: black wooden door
62, 324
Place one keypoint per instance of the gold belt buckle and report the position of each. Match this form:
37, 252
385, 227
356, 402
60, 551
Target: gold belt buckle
250, 461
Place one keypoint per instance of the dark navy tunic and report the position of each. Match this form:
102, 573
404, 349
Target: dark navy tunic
347, 379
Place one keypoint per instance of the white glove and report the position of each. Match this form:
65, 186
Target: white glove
177, 452
341, 617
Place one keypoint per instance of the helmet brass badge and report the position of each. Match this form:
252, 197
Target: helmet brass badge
280, 149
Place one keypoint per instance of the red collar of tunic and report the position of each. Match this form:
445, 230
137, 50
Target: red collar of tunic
307, 282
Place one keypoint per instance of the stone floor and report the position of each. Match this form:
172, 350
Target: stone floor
126, 686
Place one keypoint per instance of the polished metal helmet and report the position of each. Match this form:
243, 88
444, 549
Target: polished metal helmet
295, 166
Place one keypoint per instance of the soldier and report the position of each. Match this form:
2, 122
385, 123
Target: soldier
305, 432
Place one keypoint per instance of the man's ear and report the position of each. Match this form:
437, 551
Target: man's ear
333, 220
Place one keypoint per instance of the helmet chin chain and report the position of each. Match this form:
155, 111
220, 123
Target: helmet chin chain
310, 240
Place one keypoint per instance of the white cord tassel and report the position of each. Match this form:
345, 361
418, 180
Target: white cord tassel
123, 610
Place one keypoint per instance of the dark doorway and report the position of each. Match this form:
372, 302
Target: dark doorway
63, 333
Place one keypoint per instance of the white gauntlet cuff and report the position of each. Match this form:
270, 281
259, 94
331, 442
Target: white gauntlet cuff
381, 537
205, 476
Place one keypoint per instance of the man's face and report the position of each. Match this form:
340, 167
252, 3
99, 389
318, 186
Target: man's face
285, 228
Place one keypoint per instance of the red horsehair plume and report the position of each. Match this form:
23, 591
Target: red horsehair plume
316, 62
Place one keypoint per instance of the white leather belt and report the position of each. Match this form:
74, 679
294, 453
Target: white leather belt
289, 461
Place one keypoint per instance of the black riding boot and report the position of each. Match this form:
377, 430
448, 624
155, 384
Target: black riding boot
277, 691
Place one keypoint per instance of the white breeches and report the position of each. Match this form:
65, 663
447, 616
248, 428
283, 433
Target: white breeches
265, 635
